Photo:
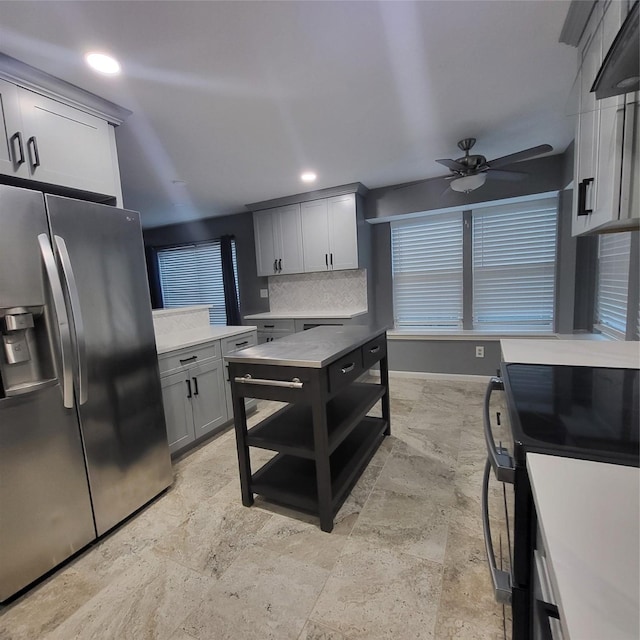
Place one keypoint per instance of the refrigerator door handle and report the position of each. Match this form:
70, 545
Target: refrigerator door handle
76, 314
62, 318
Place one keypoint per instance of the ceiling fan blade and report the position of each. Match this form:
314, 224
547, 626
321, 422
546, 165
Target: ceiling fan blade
451, 164
511, 176
520, 155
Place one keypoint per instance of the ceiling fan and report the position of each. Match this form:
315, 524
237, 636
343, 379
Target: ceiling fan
470, 172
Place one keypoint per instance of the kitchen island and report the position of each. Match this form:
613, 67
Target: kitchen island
324, 437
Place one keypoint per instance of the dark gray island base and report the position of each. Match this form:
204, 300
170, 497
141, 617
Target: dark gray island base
324, 437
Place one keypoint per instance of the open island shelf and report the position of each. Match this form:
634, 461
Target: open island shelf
324, 437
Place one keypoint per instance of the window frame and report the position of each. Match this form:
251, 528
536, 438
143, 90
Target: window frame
467, 215
217, 311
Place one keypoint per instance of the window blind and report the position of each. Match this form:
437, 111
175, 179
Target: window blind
192, 275
613, 280
514, 256
427, 272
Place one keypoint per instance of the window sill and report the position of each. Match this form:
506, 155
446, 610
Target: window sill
452, 334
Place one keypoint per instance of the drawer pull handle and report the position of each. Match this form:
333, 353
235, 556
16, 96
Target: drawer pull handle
269, 326
294, 383
375, 349
191, 359
348, 368
240, 344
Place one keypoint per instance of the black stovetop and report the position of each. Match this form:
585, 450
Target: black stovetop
591, 413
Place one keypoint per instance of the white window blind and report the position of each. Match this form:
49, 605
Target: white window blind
613, 281
192, 275
514, 256
427, 272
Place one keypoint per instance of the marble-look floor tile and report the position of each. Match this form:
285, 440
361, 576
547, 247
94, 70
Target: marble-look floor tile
262, 596
213, 536
377, 593
410, 524
316, 631
467, 607
146, 603
407, 471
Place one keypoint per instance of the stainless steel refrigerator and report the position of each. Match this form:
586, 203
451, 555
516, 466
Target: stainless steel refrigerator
83, 442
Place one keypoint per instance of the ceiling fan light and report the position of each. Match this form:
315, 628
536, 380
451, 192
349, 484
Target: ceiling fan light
465, 184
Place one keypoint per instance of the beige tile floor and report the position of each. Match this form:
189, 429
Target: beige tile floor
405, 560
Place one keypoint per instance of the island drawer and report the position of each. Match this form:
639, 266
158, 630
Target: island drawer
346, 370
373, 351
189, 357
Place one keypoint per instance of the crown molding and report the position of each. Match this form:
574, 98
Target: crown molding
33, 79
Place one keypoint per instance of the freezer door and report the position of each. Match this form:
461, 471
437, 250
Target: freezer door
101, 259
45, 509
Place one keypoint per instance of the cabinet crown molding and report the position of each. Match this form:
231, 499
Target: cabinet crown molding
576, 21
33, 79
318, 194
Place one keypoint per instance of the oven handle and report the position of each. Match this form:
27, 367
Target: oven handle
501, 579
499, 457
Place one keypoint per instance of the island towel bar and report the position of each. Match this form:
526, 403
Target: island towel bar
290, 384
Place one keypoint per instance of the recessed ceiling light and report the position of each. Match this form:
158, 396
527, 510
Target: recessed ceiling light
308, 176
103, 63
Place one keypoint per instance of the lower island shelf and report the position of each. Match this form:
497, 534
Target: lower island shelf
348, 461
324, 436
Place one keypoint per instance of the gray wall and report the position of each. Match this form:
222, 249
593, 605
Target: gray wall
240, 226
543, 174
458, 356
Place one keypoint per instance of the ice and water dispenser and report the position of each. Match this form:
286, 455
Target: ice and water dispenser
26, 361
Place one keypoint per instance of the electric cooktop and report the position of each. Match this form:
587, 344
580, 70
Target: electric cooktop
581, 412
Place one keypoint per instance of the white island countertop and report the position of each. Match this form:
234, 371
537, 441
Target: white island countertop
585, 353
589, 516
192, 337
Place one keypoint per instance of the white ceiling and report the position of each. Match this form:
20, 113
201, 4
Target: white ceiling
237, 98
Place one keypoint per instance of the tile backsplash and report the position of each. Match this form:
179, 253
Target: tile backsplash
322, 292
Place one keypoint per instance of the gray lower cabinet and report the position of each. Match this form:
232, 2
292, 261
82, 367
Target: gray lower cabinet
193, 393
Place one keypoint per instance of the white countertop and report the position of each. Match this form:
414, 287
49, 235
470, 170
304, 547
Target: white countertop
589, 515
606, 353
311, 315
192, 337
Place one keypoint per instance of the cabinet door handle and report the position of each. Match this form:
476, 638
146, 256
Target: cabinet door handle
582, 197
331, 259
349, 367
189, 394
191, 359
19, 157
275, 265
240, 344
34, 158
195, 386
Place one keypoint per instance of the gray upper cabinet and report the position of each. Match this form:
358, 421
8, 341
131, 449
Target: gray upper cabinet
329, 233
56, 133
54, 143
66, 146
606, 158
278, 238
318, 235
